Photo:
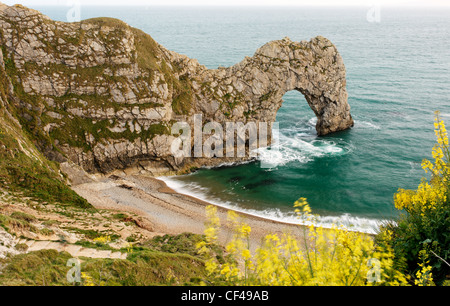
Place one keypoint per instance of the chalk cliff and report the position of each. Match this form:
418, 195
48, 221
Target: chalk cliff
103, 95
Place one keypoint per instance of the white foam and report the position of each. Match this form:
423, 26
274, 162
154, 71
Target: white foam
297, 147
367, 124
312, 122
295, 144
349, 222
229, 164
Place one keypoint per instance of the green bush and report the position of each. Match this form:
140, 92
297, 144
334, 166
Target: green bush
143, 268
421, 237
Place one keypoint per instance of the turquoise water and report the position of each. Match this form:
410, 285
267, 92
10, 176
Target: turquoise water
398, 74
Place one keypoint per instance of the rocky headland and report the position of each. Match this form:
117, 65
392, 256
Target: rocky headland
86, 111
100, 95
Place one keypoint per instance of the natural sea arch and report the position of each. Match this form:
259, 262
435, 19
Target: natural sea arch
314, 68
252, 90
295, 112
117, 117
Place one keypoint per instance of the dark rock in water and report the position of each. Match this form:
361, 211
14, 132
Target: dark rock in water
235, 179
265, 182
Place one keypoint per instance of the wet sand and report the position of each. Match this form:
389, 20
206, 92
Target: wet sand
168, 212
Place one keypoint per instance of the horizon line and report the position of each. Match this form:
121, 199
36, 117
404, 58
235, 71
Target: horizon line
252, 6
286, 5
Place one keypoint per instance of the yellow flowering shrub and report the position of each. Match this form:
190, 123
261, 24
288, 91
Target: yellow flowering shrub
415, 250
103, 239
87, 279
330, 257
424, 276
425, 225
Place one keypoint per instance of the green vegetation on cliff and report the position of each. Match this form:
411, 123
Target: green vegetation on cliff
143, 267
94, 85
23, 168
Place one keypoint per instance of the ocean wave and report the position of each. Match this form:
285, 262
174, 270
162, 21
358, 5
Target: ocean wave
347, 221
312, 122
297, 147
367, 124
230, 164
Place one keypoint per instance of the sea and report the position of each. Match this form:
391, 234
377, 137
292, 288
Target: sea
398, 74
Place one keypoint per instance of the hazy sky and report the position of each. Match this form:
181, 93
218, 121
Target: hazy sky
237, 2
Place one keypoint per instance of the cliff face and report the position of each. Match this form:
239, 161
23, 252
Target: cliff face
24, 170
104, 95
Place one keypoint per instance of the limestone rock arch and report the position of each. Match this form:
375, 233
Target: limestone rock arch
103, 95
314, 68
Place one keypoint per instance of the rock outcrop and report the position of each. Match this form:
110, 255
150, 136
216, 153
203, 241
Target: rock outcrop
104, 95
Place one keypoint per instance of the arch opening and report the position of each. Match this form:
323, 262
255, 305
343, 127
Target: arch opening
298, 140
295, 114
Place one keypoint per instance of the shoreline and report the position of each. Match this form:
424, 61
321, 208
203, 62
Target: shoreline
167, 211
365, 225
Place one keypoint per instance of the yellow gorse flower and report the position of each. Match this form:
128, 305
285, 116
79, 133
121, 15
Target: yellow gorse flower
103, 239
332, 256
326, 257
211, 231
87, 279
424, 276
429, 195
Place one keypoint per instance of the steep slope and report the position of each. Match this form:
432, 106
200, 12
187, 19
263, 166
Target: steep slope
23, 168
